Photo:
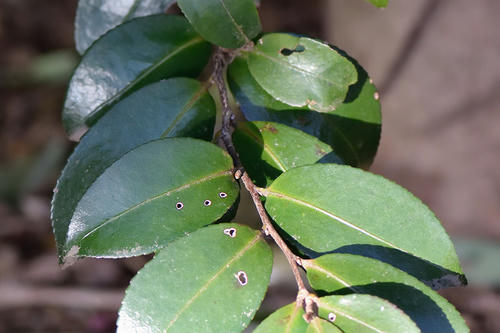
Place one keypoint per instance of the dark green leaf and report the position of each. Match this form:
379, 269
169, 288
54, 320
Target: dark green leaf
227, 23
210, 281
174, 107
95, 17
379, 3
267, 149
364, 313
127, 58
286, 319
350, 273
352, 130
329, 207
153, 194
300, 71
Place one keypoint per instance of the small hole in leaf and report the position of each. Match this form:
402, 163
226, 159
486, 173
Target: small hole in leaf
179, 205
231, 232
207, 203
223, 195
332, 316
286, 52
242, 278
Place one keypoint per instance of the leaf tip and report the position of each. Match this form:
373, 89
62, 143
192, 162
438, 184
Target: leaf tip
71, 257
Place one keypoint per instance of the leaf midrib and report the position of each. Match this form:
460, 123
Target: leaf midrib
158, 196
268, 192
311, 264
187, 107
298, 69
120, 93
233, 21
328, 307
266, 147
225, 267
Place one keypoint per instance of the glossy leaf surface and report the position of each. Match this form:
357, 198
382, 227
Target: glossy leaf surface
350, 273
318, 325
227, 23
127, 58
329, 207
300, 71
364, 313
212, 280
286, 319
379, 3
153, 194
352, 130
267, 149
95, 17
174, 107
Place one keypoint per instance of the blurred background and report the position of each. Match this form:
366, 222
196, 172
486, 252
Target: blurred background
436, 64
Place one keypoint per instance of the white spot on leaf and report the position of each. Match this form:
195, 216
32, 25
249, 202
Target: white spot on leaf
332, 316
242, 278
231, 232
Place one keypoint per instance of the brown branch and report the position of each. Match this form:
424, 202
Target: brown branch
304, 297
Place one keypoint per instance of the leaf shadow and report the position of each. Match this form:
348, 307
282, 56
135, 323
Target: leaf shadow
434, 276
422, 309
262, 172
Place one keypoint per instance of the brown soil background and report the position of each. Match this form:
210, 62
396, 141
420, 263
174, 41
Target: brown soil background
437, 66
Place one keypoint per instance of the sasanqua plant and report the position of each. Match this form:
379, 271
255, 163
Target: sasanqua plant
298, 120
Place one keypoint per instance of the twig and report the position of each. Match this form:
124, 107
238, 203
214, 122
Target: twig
304, 297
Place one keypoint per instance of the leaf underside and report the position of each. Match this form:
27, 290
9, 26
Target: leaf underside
210, 281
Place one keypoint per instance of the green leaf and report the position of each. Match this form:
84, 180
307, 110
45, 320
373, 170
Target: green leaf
329, 207
127, 58
267, 149
300, 71
210, 281
227, 23
96, 17
152, 195
286, 319
351, 313
174, 107
364, 313
352, 130
379, 3
318, 325
351, 273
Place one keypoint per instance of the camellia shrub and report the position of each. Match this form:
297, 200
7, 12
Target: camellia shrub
177, 113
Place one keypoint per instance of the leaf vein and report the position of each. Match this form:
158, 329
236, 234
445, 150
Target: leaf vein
335, 217
159, 196
247, 247
113, 99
